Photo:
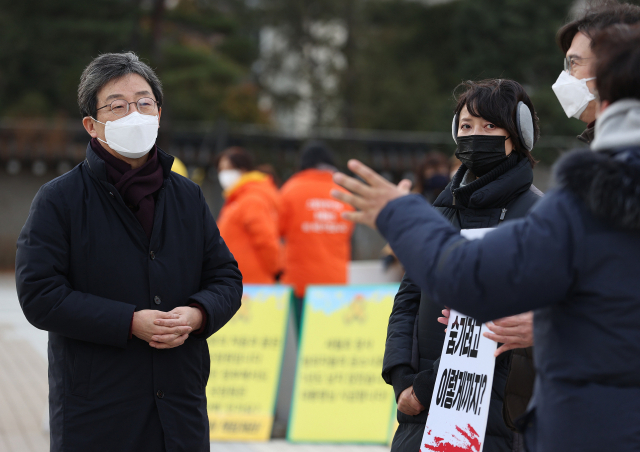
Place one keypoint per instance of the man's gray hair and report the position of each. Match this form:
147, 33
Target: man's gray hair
111, 66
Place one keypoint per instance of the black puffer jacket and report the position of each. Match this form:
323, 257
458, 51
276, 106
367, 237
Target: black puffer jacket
414, 336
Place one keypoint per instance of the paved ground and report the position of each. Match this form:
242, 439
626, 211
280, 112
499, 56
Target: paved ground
23, 389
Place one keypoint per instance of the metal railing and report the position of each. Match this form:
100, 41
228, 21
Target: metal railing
42, 146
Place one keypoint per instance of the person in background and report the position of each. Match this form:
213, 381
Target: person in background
248, 220
317, 240
269, 170
432, 175
121, 262
575, 87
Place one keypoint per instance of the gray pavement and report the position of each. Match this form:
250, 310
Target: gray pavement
23, 389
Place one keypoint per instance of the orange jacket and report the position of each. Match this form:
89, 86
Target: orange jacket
248, 223
317, 239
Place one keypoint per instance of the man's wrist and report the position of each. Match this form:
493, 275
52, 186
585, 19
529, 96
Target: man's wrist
198, 329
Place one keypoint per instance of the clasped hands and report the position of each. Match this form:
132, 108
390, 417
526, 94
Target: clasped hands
164, 330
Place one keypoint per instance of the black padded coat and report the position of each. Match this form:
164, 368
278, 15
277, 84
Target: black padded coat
83, 266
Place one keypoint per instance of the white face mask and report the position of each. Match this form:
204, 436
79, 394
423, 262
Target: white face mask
573, 94
132, 136
228, 178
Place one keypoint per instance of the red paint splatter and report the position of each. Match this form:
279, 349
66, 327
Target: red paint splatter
472, 443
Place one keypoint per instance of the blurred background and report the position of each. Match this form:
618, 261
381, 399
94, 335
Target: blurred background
374, 79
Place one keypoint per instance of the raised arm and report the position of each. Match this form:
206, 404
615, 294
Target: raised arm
520, 266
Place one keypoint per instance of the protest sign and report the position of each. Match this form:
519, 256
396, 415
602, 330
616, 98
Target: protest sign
246, 360
339, 395
460, 403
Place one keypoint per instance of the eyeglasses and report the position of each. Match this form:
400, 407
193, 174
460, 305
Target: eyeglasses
571, 63
120, 107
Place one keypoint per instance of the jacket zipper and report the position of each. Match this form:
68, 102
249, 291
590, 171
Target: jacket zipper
454, 199
504, 212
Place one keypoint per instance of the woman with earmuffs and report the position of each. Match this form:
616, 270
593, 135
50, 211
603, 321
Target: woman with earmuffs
495, 127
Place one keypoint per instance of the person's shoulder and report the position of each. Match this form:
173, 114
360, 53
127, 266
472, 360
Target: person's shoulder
303, 183
185, 190
63, 187
525, 201
183, 183
559, 203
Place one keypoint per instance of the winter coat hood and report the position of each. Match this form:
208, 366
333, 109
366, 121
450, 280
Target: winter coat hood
619, 126
607, 182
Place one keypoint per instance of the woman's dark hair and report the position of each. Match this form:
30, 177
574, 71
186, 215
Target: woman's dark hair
496, 100
240, 159
617, 69
600, 15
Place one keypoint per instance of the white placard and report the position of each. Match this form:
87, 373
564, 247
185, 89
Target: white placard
460, 404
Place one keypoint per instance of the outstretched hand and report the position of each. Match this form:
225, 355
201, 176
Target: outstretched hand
370, 198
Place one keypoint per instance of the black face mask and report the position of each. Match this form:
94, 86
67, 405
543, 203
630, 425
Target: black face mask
481, 153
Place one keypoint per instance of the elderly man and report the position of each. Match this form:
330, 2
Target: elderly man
122, 262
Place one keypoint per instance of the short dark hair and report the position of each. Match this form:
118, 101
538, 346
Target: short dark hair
107, 67
496, 100
316, 153
597, 17
239, 158
617, 51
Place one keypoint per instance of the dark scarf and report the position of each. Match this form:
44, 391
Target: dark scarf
462, 195
136, 186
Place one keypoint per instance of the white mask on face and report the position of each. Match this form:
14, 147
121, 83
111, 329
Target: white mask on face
132, 136
228, 178
573, 94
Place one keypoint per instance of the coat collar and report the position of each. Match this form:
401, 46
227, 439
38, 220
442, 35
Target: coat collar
495, 194
97, 165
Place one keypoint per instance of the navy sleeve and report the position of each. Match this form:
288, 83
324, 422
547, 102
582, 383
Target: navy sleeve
221, 285
46, 296
522, 265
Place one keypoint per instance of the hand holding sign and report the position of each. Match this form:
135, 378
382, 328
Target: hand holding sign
512, 332
461, 397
